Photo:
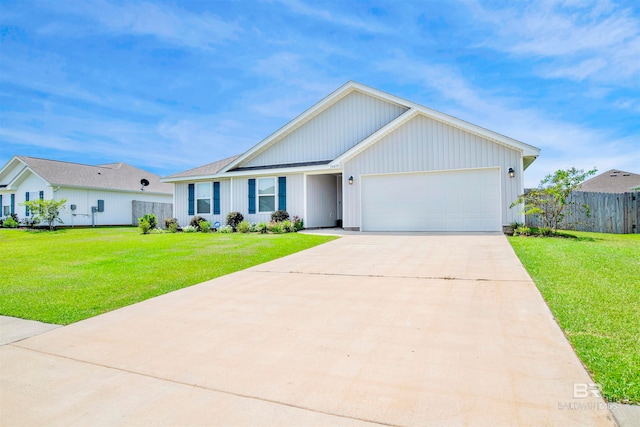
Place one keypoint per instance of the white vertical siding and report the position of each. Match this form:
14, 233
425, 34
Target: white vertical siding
332, 132
424, 144
240, 200
322, 196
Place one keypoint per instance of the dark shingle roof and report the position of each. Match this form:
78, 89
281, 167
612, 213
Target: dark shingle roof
612, 181
115, 176
208, 169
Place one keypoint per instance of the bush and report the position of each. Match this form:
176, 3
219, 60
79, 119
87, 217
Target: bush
205, 226
169, 221
244, 227
279, 216
545, 231
233, 219
152, 220
144, 225
262, 227
190, 229
10, 222
287, 226
195, 222
522, 231
298, 223
276, 227
225, 229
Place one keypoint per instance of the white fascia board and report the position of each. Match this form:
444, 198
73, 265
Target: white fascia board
374, 137
8, 166
307, 115
111, 190
255, 172
20, 174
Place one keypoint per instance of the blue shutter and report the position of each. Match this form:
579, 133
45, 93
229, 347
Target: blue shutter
216, 198
192, 198
252, 196
26, 208
13, 204
282, 193
41, 195
1, 209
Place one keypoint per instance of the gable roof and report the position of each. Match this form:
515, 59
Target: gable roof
408, 110
411, 110
206, 170
612, 181
113, 176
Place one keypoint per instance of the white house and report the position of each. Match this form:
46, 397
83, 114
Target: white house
368, 161
96, 195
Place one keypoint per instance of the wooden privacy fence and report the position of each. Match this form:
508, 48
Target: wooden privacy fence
160, 210
616, 213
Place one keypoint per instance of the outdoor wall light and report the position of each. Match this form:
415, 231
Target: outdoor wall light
512, 173
351, 180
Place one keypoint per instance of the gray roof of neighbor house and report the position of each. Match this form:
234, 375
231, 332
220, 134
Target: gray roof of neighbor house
208, 169
612, 181
113, 176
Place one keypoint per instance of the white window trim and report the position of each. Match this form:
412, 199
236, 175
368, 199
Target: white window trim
275, 194
210, 186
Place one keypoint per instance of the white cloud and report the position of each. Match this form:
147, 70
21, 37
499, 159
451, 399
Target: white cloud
583, 40
170, 24
562, 143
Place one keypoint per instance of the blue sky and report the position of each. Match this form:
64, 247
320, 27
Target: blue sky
168, 86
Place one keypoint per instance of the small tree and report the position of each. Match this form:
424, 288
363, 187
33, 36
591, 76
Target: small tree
549, 201
46, 211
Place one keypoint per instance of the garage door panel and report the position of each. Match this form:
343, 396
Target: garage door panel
467, 200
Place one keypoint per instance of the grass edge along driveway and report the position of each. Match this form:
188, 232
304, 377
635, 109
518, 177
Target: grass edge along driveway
72, 274
591, 283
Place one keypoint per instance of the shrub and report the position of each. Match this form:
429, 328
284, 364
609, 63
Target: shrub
190, 229
545, 231
225, 229
276, 227
143, 223
262, 227
522, 231
169, 221
151, 219
10, 222
195, 222
233, 219
205, 226
173, 227
244, 227
298, 223
279, 216
287, 226
253, 228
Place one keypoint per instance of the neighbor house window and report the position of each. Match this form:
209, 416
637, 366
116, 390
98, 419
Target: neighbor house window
266, 194
203, 198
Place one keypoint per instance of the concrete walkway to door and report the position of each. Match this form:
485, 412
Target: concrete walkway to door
370, 329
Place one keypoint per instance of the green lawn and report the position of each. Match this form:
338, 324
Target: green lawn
592, 285
72, 274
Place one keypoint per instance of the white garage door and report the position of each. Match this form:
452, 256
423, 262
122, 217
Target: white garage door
462, 200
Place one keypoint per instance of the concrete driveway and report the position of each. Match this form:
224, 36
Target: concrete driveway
408, 329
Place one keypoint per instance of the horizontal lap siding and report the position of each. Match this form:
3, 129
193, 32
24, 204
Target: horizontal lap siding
332, 132
424, 144
117, 205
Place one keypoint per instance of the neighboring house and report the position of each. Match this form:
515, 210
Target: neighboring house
612, 181
368, 161
100, 195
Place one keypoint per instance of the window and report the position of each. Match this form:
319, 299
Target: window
203, 198
6, 210
266, 194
